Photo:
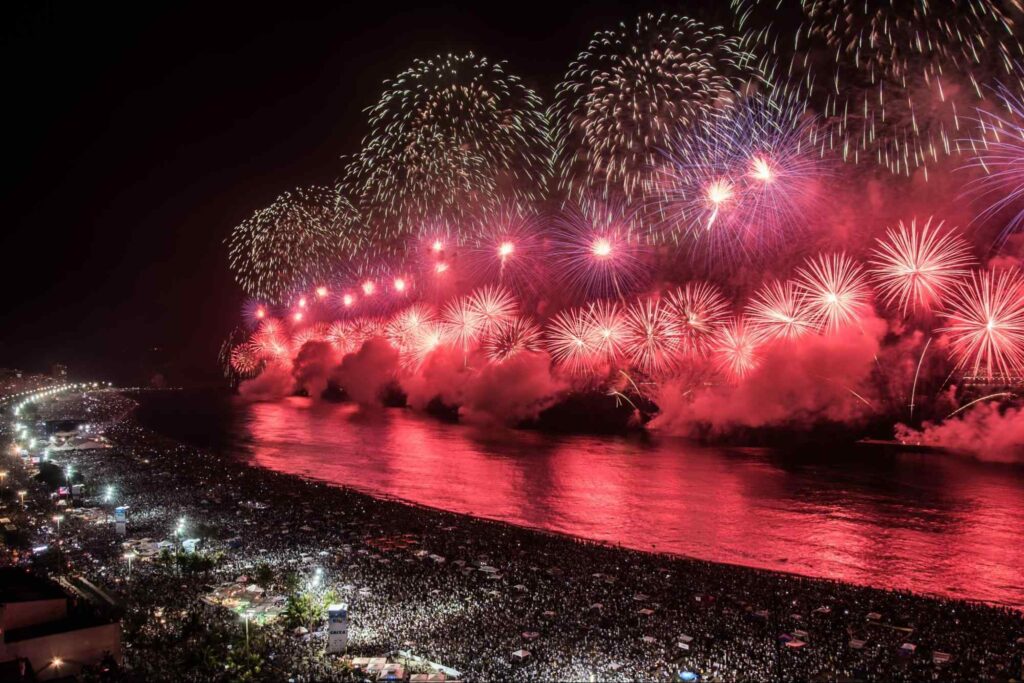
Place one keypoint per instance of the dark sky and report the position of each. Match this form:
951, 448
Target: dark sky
137, 136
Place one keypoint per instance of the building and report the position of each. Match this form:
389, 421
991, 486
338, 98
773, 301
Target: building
46, 634
59, 371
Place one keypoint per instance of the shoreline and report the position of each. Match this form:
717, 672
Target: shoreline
588, 607
880, 449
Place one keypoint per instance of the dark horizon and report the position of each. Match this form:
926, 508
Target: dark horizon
143, 135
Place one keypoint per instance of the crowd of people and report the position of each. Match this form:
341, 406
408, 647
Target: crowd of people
493, 601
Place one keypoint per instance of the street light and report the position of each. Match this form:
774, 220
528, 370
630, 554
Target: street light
3, 478
129, 556
21, 494
109, 494
58, 518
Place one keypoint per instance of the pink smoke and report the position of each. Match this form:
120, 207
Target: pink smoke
807, 380
274, 383
366, 373
984, 431
508, 392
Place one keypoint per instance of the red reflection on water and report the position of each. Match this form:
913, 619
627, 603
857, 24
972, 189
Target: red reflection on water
932, 524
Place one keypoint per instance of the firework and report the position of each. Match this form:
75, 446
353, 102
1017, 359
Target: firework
916, 269
985, 323
245, 362
295, 243
736, 349
742, 180
312, 333
512, 336
834, 289
448, 136
700, 311
270, 341
894, 75
626, 93
405, 328
491, 306
337, 335
597, 252
998, 151
461, 324
506, 246
428, 338
570, 341
779, 310
607, 330
652, 337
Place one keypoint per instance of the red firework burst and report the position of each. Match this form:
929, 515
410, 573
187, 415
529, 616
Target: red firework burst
917, 269
608, 330
491, 306
986, 323
779, 311
736, 349
652, 336
835, 290
513, 336
570, 341
701, 310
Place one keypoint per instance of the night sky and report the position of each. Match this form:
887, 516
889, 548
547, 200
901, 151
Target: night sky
138, 136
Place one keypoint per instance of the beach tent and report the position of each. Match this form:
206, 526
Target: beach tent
688, 676
520, 655
907, 649
941, 657
531, 635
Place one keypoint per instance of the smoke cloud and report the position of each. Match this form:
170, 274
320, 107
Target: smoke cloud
509, 392
985, 432
274, 383
365, 374
312, 367
812, 379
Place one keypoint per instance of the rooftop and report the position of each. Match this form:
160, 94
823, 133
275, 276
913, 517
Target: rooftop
18, 585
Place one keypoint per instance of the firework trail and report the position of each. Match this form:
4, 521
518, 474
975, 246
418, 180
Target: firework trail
915, 269
448, 136
998, 150
985, 323
895, 75
295, 243
624, 96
